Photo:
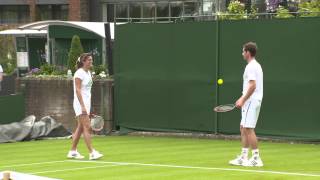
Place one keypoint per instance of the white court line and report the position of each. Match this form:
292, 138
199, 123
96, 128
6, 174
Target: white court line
30, 164
204, 168
73, 169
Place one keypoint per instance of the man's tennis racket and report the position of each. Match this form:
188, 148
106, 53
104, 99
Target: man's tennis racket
97, 123
224, 108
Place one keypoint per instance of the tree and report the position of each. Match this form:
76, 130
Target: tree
7, 52
75, 51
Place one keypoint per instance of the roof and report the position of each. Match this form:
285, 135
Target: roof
41, 27
23, 32
95, 27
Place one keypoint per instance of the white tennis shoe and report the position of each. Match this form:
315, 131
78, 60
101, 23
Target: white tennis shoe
95, 155
239, 161
74, 155
254, 161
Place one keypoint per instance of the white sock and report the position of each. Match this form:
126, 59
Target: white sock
245, 152
255, 152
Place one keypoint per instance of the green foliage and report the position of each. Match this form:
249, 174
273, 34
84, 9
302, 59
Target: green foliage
8, 68
283, 13
99, 68
7, 52
47, 69
236, 10
309, 9
75, 51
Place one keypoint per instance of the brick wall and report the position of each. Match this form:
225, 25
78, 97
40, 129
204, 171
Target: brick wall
33, 10
54, 97
78, 10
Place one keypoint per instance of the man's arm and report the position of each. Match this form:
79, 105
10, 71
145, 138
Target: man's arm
252, 87
1, 76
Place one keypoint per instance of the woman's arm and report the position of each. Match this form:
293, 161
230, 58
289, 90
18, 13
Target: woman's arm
79, 96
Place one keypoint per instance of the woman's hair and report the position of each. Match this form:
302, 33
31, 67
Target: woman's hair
83, 57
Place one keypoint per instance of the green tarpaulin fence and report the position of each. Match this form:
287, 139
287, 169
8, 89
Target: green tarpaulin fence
165, 75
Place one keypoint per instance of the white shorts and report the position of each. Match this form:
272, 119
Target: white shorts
250, 113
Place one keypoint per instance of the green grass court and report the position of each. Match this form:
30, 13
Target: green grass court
132, 157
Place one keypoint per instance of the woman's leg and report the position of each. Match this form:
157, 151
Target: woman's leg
76, 135
85, 123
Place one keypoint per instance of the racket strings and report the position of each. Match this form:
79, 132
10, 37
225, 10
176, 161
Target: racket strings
225, 108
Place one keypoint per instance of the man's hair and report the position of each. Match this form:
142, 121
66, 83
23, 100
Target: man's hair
251, 47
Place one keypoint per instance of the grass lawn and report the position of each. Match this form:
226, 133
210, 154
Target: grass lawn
133, 157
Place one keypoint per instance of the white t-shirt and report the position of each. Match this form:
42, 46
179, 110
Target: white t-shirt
86, 84
254, 72
1, 70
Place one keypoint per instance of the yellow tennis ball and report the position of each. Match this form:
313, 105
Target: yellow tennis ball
220, 81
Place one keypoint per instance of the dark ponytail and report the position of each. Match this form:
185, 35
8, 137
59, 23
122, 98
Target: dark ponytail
81, 59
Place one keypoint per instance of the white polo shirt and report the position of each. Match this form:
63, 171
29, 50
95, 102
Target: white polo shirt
254, 72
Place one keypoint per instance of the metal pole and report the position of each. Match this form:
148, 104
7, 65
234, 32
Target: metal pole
217, 74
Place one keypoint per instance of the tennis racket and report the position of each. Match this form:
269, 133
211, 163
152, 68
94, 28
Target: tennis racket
97, 123
224, 108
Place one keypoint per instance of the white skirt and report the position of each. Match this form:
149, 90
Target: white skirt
77, 106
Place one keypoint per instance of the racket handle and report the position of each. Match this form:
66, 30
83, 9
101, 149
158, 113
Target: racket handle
6, 175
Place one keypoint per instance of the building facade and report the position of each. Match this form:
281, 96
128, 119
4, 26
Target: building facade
157, 10
26, 11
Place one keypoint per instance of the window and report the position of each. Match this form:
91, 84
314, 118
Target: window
52, 12
176, 9
163, 11
149, 11
122, 12
135, 11
191, 8
10, 14
110, 12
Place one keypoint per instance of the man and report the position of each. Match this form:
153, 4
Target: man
250, 103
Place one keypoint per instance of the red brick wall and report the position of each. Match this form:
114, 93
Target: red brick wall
33, 9
78, 10
55, 98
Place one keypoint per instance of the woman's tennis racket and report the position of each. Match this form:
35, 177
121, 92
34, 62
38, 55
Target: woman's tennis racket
224, 108
97, 123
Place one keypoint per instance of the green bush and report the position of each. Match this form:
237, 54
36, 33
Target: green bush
98, 69
47, 69
283, 13
7, 52
236, 10
309, 9
8, 68
75, 51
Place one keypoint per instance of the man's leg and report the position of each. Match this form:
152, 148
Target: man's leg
255, 160
244, 142
253, 142
243, 157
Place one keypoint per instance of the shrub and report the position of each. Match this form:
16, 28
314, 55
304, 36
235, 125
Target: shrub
236, 10
309, 9
98, 69
75, 51
283, 13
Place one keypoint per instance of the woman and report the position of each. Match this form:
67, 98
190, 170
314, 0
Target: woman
82, 83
